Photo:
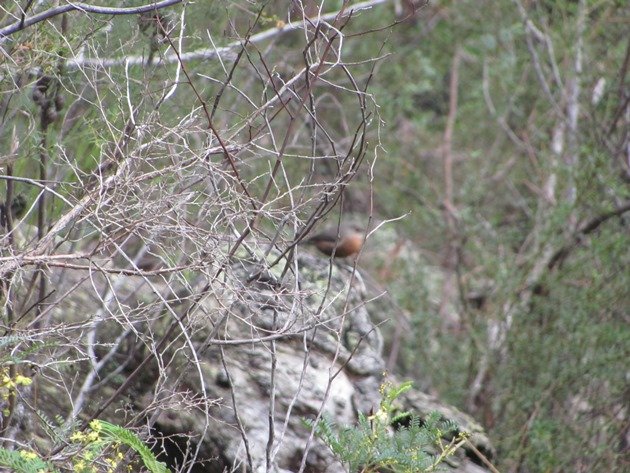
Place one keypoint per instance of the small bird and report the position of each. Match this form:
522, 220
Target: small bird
341, 241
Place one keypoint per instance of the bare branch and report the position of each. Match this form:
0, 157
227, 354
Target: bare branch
83, 7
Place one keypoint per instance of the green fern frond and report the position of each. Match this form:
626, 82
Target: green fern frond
22, 462
124, 436
22, 355
11, 341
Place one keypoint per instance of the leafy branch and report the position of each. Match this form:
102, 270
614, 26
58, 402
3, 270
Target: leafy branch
400, 442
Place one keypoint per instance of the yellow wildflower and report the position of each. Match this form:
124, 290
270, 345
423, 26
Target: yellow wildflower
78, 436
28, 455
23, 380
96, 425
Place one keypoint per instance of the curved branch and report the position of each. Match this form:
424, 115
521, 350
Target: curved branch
559, 256
211, 53
84, 7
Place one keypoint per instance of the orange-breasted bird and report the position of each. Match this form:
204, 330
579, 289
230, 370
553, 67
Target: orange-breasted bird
341, 241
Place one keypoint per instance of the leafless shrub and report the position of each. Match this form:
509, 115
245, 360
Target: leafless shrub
161, 183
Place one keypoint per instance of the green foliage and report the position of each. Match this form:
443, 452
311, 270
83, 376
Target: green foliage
58, 428
115, 433
10, 379
24, 462
387, 439
570, 393
104, 435
28, 348
100, 445
558, 383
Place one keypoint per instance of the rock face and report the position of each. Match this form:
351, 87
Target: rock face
248, 360
317, 355
305, 350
